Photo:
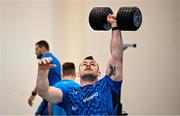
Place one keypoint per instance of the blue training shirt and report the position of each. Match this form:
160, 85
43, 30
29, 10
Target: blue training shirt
57, 110
54, 73
102, 98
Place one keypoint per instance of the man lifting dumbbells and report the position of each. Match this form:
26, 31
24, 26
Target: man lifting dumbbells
93, 97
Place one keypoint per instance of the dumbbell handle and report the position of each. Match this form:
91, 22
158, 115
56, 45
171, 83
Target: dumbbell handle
125, 46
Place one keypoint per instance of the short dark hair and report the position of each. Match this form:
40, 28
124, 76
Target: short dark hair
43, 43
68, 68
89, 58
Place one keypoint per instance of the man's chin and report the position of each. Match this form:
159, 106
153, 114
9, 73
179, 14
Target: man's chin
88, 73
89, 77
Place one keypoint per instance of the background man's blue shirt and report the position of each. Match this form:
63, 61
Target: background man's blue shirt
57, 110
54, 73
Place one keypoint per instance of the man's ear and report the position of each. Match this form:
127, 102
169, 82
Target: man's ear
43, 49
78, 74
99, 74
75, 74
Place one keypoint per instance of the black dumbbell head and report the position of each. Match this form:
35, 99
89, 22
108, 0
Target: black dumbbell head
129, 18
98, 18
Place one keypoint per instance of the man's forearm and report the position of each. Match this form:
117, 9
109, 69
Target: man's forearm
51, 94
116, 44
42, 82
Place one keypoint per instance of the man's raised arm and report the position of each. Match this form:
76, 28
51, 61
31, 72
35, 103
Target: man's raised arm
115, 64
51, 94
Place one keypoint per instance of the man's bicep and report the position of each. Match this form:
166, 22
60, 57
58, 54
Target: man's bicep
114, 69
55, 95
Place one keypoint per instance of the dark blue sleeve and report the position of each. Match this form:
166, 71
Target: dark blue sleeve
114, 85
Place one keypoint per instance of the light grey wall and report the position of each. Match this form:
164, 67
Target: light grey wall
23, 24
151, 71
0, 55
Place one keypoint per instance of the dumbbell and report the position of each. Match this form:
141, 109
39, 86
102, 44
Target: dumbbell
128, 18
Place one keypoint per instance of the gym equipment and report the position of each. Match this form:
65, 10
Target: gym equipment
125, 46
128, 18
98, 16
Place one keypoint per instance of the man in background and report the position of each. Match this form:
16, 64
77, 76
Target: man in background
68, 74
54, 75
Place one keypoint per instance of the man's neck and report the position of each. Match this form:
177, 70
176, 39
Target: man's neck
45, 52
84, 83
68, 78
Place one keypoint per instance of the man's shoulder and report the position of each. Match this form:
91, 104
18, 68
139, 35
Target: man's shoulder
49, 54
104, 78
107, 80
70, 83
67, 84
